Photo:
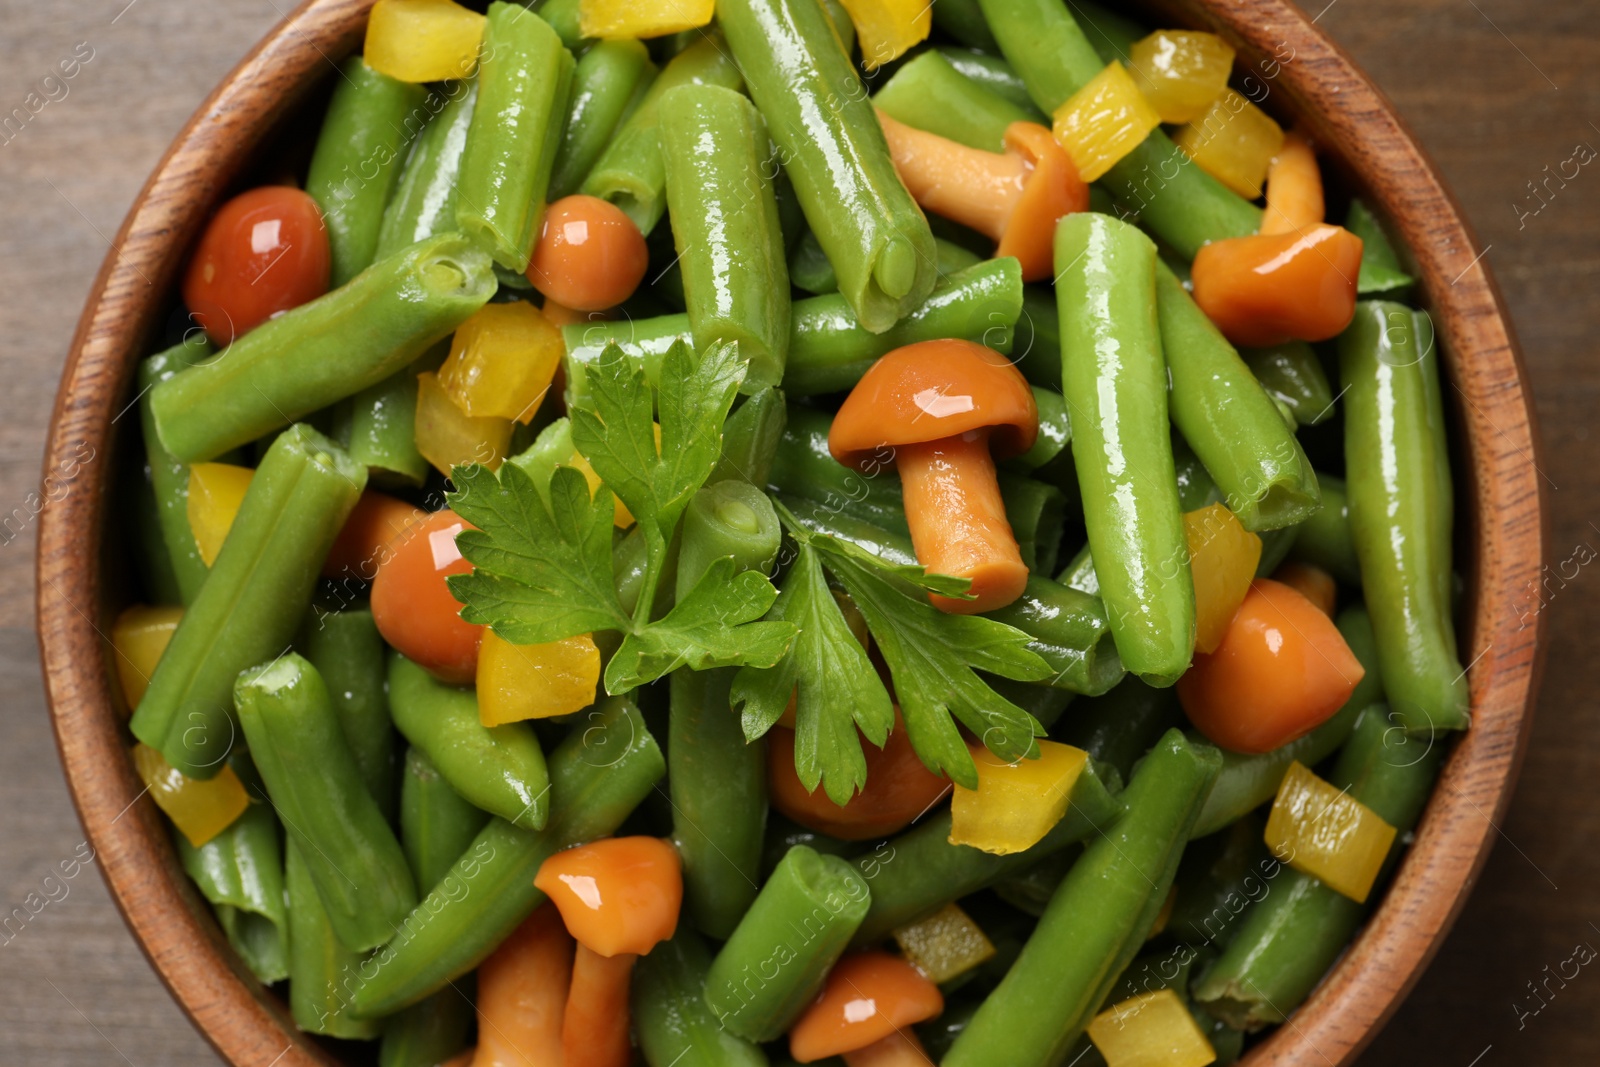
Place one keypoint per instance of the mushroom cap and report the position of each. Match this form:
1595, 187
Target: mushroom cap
932, 390
1052, 189
867, 997
618, 894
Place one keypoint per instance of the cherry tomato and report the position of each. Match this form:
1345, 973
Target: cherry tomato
264, 252
1281, 670
413, 607
898, 789
376, 520
867, 997
590, 256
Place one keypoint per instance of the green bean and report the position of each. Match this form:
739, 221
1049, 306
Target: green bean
1037, 513
1292, 374
725, 226
835, 154
920, 871
135, 497
1381, 271
719, 801
562, 15
1030, 889
1120, 726
424, 201
1229, 419
1291, 937
631, 172
798, 925
524, 80
940, 1032
1398, 469
609, 78
1055, 437
366, 132
346, 649
1110, 32
1115, 382
599, 774
255, 599
379, 423
1044, 45
750, 439
320, 352
1043, 702
963, 20
1324, 538
809, 260
240, 871
431, 1031
169, 477
1219, 878
670, 1014
1275, 548
498, 768
1070, 631
1249, 781
1098, 918
930, 93
828, 518
321, 967
730, 518
995, 75
315, 784
1037, 350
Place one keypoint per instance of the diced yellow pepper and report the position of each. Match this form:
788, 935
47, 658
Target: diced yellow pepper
139, 636
945, 944
888, 28
517, 682
502, 361
1015, 804
1325, 832
1150, 1030
1181, 71
423, 40
1223, 556
215, 492
447, 436
615, 19
200, 808
1234, 142
1104, 121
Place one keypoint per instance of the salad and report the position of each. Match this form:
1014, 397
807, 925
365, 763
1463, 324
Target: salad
763, 531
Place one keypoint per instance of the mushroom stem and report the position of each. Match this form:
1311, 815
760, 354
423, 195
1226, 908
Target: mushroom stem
967, 185
594, 1027
1294, 188
958, 521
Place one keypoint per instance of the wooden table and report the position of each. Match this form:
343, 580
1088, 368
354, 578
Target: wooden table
1501, 93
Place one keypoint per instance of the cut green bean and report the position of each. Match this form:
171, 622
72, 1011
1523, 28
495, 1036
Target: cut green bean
501, 769
1043, 702
562, 15
431, 1031
929, 93
1324, 538
1219, 878
810, 270
1111, 33
437, 824
1292, 375
599, 774
347, 650
775, 961
322, 970
1114, 379
349, 851
1045, 46
1055, 436
675, 1025
424, 202
725, 226
1397, 468
524, 79
1037, 349
1070, 631
366, 132
1098, 918
254, 601
730, 518
963, 20
631, 172
750, 439
240, 871
169, 477
324, 351
994, 74
835, 154
1228, 418
379, 424
1275, 548
609, 78
1120, 726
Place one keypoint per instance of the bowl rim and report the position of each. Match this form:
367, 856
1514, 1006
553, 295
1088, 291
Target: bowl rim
1500, 494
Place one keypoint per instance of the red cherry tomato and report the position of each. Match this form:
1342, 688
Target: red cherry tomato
264, 252
898, 789
590, 256
412, 604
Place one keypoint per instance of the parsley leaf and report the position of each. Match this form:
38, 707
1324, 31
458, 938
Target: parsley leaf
835, 686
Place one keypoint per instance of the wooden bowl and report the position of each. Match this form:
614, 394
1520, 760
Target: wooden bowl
1501, 525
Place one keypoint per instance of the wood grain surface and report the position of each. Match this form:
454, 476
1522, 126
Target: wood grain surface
1500, 94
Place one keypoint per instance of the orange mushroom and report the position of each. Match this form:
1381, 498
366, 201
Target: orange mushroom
1014, 196
868, 996
1295, 280
949, 409
619, 897
522, 994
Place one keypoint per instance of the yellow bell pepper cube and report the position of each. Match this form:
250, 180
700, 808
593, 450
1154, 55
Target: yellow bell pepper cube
1015, 804
448, 437
215, 492
1181, 71
1234, 142
502, 361
200, 809
423, 40
1323, 831
1104, 121
887, 29
139, 636
1223, 556
517, 682
619, 19
945, 944
1150, 1030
